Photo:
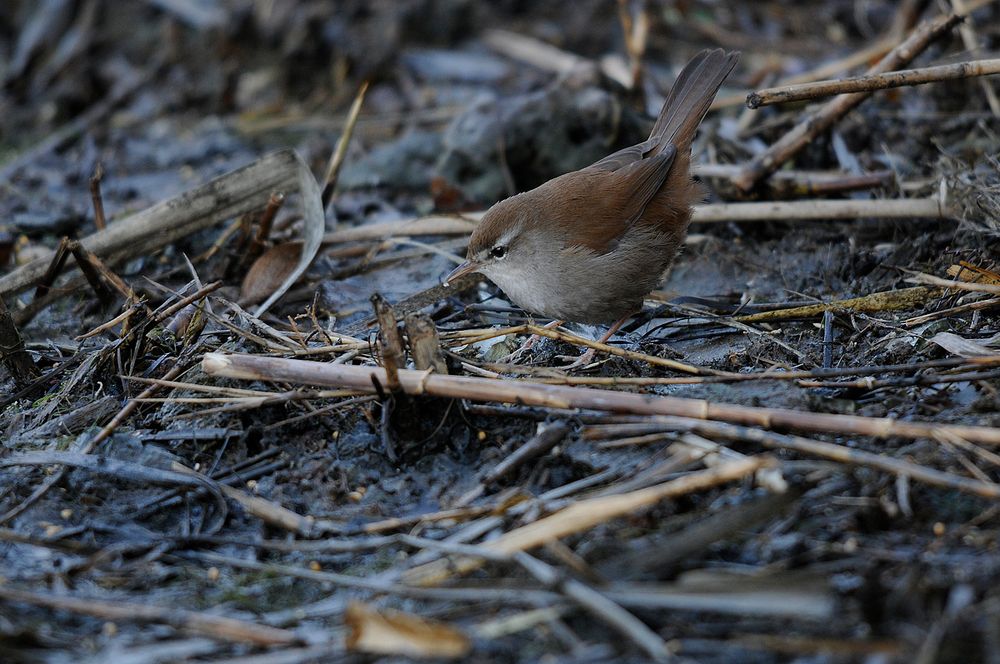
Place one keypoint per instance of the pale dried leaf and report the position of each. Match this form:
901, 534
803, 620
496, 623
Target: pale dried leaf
398, 633
313, 227
961, 346
269, 272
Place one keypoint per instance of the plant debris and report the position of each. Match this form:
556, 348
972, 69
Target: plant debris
244, 420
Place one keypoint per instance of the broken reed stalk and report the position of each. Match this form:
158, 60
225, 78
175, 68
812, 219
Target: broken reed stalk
800, 184
893, 300
933, 207
902, 208
100, 222
97, 272
425, 345
252, 367
806, 446
952, 311
820, 121
197, 622
340, 151
973, 46
185, 301
267, 219
586, 514
920, 277
393, 355
54, 268
892, 79
393, 350
229, 195
101, 287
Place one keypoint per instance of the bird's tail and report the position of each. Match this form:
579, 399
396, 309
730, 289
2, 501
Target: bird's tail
690, 97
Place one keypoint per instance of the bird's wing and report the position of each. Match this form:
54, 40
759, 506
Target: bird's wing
644, 179
595, 208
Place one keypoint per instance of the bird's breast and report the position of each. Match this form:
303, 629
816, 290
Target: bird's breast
576, 284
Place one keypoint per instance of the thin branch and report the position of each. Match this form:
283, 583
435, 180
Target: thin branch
586, 514
839, 453
893, 79
817, 123
340, 151
252, 367
196, 622
934, 207
100, 222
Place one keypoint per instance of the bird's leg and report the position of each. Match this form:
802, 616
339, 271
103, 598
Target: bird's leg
530, 343
588, 356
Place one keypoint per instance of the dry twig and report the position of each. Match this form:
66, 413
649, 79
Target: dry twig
892, 79
196, 622
816, 123
340, 152
839, 453
585, 514
251, 367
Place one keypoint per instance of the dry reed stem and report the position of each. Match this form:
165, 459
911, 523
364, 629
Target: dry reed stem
895, 300
816, 123
560, 335
232, 194
197, 622
972, 44
12, 354
584, 515
805, 210
893, 79
920, 277
340, 151
252, 367
952, 311
831, 451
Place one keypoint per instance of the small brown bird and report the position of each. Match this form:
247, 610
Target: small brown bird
589, 245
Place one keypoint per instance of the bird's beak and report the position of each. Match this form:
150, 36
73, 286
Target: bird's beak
465, 268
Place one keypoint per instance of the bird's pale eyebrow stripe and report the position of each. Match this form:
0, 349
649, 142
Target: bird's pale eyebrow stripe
504, 240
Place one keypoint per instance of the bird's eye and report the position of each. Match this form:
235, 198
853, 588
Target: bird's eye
498, 251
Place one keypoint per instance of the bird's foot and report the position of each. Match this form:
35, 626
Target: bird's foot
519, 354
578, 362
588, 356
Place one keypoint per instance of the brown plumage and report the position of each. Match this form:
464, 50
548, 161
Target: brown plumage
589, 245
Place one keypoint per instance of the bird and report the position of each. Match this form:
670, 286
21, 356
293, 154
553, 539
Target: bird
589, 245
